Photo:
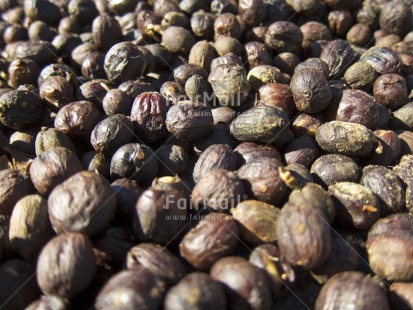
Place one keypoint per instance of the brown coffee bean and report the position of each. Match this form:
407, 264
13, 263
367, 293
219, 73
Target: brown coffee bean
246, 285
135, 161
14, 186
217, 156
346, 138
394, 263
333, 168
77, 119
112, 133
356, 206
315, 196
303, 235
219, 190
137, 288
50, 138
30, 228
262, 180
148, 116
356, 106
53, 167
158, 260
71, 258
188, 120
257, 221
352, 288
262, 124
160, 215
215, 236
384, 183
310, 90
21, 108
196, 290
83, 203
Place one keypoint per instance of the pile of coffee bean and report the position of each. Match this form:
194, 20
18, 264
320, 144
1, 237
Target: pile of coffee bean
206, 154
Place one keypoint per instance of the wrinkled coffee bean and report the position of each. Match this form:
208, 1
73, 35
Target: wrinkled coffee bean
356, 206
246, 285
52, 167
215, 236
303, 235
345, 138
160, 215
196, 290
112, 133
217, 156
393, 263
352, 288
73, 261
219, 190
262, 180
83, 203
158, 260
257, 221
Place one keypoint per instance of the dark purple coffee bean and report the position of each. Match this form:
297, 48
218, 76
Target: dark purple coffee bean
112, 133
338, 55
135, 161
124, 61
148, 116
21, 108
